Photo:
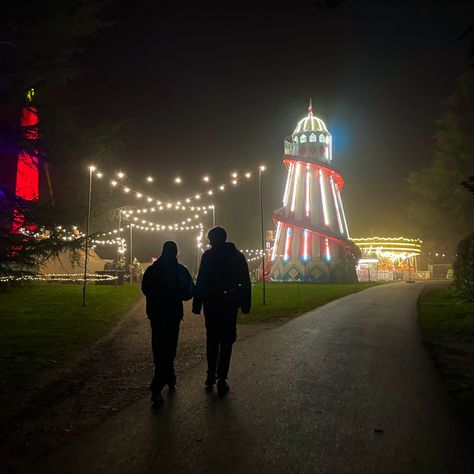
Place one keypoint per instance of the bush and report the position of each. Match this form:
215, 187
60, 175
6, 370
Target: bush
464, 269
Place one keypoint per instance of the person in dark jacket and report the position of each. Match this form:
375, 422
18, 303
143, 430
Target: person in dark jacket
223, 286
166, 283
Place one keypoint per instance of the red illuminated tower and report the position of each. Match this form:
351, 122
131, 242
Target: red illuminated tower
27, 172
312, 236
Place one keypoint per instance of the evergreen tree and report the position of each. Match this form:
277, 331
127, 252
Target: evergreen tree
441, 205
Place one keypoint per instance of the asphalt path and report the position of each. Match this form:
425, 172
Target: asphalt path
346, 388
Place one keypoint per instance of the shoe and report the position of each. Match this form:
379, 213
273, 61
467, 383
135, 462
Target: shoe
210, 381
156, 384
171, 383
156, 398
222, 388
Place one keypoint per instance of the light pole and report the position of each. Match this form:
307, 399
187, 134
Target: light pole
131, 251
261, 169
213, 207
119, 247
86, 256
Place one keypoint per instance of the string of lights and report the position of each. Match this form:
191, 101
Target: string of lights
200, 209
157, 227
57, 277
117, 181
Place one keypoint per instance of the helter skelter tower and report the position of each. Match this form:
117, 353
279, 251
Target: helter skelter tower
312, 236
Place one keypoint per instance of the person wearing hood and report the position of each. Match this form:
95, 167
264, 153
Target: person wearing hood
166, 283
223, 286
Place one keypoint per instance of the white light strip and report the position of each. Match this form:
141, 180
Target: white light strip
336, 203
328, 250
288, 181
342, 210
308, 190
295, 187
323, 198
287, 243
277, 241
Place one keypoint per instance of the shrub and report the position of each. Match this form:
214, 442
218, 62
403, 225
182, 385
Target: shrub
464, 269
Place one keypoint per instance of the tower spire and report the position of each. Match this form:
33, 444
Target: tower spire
310, 108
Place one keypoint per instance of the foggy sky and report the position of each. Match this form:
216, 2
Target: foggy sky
216, 87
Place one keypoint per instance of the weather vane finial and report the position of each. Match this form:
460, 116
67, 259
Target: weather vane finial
310, 108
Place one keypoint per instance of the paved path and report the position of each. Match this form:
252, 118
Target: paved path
346, 388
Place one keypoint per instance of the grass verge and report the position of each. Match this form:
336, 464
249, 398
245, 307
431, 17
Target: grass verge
288, 300
42, 326
447, 326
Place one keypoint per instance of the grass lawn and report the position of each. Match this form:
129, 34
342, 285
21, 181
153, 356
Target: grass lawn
288, 300
447, 326
43, 325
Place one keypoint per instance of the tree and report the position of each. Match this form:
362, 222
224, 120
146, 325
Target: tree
440, 204
40, 43
464, 269
24, 251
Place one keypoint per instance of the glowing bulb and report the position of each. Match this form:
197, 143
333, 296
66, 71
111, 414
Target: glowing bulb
99, 174
188, 200
149, 199
234, 181
206, 179
92, 168
248, 175
139, 195
126, 190
210, 192
150, 179
262, 168
168, 205
234, 174
222, 187
178, 180
120, 174
198, 196
113, 183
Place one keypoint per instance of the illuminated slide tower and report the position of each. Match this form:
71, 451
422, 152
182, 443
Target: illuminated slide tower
312, 237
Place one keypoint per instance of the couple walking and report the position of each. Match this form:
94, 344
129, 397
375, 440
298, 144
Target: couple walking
222, 287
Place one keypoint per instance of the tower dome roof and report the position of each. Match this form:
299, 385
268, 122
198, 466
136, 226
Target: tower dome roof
310, 123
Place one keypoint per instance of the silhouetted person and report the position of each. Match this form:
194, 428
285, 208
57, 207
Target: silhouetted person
166, 283
223, 286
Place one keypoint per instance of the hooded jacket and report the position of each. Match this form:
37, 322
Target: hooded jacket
223, 281
166, 284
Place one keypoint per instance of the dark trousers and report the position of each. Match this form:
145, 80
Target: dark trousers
221, 333
164, 342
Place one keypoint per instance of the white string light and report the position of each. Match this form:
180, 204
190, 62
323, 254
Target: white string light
178, 180
58, 277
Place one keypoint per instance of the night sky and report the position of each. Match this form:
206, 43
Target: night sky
215, 87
